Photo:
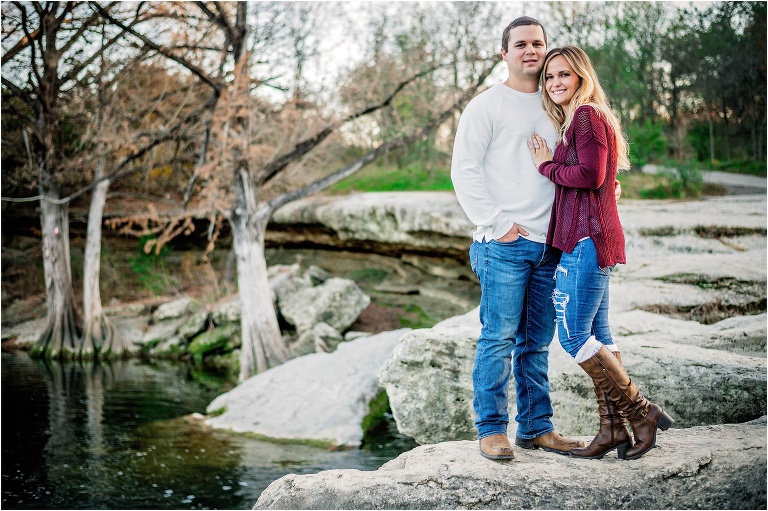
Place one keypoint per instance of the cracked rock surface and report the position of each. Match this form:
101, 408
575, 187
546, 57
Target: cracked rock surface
710, 467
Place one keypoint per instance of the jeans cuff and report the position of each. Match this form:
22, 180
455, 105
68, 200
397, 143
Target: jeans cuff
531, 437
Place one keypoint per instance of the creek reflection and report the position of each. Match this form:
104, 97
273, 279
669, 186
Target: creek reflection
120, 436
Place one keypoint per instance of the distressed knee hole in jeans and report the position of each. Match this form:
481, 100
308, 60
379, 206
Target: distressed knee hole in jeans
561, 300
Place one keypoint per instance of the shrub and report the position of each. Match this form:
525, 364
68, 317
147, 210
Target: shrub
646, 143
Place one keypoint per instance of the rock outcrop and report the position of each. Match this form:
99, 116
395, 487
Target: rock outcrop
428, 380
429, 384
685, 258
433, 222
320, 397
707, 467
427, 222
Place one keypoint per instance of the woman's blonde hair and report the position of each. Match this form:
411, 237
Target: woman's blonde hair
589, 93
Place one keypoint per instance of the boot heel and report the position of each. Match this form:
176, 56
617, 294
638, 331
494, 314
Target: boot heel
664, 422
525, 443
622, 451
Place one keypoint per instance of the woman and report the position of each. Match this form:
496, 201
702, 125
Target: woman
585, 226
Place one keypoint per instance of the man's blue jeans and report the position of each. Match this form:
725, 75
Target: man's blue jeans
581, 298
518, 324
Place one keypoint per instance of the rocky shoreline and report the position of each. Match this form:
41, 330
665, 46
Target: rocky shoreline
688, 311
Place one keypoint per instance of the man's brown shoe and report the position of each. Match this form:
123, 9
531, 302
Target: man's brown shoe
552, 442
496, 447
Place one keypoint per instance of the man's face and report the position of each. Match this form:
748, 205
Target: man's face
526, 51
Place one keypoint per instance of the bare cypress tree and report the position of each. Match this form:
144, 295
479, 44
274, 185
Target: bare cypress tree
36, 70
238, 179
48, 70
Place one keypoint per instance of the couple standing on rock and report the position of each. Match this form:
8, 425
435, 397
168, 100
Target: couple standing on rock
530, 251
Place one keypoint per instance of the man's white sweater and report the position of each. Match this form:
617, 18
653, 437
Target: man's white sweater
493, 174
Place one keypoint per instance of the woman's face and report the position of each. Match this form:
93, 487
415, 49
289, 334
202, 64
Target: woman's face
560, 81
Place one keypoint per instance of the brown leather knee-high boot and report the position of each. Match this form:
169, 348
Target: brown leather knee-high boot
644, 416
613, 432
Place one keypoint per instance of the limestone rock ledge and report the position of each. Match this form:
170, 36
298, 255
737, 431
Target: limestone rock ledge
709, 467
320, 397
385, 222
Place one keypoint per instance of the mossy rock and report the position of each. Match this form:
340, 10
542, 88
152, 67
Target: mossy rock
172, 348
377, 409
220, 339
227, 362
194, 325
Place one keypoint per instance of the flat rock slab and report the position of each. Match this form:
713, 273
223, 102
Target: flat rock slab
710, 467
321, 397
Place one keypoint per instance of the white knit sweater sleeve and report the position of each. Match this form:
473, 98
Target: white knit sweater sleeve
473, 135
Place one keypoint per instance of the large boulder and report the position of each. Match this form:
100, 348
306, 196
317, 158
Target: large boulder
220, 339
226, 311
320, 397
337, 302
321, 338
428, 379
161, 331
709, 467
174, 308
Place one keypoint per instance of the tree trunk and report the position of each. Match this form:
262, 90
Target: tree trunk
61, 337
725, 132
711, 138
262, 342
101, 338
759, 128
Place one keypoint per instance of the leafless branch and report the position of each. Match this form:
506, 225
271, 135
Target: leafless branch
21, 93
80, 31
383, 148
200, 73
23, 43
270, 170
117, 172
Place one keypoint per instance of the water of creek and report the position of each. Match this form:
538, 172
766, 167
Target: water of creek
119, 436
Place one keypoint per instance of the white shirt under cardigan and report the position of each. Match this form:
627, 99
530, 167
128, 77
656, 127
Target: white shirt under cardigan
493, 174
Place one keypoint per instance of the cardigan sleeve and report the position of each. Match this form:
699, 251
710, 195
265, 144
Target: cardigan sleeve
588, 134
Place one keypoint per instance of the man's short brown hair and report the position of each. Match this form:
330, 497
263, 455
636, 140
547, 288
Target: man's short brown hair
520, 22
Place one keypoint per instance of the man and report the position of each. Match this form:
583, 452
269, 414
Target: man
502, 192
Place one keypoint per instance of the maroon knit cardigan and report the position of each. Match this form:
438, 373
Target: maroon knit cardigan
584, 171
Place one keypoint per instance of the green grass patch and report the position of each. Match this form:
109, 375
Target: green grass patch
150, 269
687, 184
218, 411
751, 167
375, 178
636, 185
